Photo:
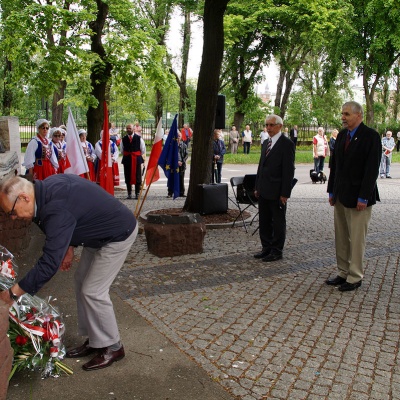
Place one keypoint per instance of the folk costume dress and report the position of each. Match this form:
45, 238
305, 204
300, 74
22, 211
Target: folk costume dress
41, 155
61, 148
90, 155
114, 157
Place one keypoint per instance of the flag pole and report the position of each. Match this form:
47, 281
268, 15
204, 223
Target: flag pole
137, 213
141, 190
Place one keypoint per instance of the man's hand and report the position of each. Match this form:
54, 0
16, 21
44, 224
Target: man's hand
66, 263
361, 206
283, 200
331, 201
256, 195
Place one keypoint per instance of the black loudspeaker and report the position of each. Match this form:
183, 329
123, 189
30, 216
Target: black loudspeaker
220, 113
212, 198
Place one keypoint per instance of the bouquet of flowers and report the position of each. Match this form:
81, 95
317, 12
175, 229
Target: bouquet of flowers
36, 328
8, 269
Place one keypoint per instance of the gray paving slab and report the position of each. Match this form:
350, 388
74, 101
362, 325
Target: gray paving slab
235, 327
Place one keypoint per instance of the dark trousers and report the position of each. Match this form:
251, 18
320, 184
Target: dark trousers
398, 145
216, 172
127, 173
272, 224
294, 140
181, 183
246, 147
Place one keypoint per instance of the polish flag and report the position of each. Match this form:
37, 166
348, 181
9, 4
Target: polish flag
75, 158
152, 174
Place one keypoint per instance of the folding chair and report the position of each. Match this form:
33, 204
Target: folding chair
242, 187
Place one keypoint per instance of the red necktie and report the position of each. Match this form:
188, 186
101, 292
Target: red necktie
348, 138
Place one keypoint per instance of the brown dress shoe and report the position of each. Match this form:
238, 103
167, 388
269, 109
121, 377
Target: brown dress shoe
81, 351
104, 359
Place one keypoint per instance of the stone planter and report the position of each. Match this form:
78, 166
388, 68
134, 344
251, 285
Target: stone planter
174, 235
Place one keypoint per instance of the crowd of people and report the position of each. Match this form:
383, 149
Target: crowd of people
106, 228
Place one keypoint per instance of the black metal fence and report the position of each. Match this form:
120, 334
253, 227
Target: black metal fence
27, 131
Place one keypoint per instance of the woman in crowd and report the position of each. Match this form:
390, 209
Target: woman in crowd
114, 158
88, 151
320, 150
56, 136
40, 157
332, 142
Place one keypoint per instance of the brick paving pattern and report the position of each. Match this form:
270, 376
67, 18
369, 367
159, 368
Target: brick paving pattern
276, 331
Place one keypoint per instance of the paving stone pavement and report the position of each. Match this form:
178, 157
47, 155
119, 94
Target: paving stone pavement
276, 331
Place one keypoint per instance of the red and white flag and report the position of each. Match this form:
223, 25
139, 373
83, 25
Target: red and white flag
152, 174
75, 158
106, 178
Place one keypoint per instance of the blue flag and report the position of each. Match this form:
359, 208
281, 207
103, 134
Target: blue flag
168, 160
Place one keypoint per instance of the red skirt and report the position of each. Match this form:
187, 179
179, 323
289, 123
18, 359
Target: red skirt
62, 164
41, 172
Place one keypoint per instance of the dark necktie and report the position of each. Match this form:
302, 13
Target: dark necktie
348, 138
268, 149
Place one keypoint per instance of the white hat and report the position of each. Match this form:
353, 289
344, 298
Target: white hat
82, 132
40, 122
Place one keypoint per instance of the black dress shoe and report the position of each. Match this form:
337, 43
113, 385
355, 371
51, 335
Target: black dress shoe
81, 351
272, 257
262, 253
104, 359
338, 280
129, 196
347, 287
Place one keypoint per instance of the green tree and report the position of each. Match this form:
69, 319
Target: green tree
373, 42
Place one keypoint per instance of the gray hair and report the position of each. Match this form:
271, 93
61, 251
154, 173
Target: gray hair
355, 107
277, 118
14, 186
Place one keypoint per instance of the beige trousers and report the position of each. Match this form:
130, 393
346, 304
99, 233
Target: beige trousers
96, 272
351, 228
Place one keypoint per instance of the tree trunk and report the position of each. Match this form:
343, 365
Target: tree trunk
183, 96
369, 99
396, 100
58, 109
7, 92
238, 119
206, 98
159, 106
279, 88
100, 74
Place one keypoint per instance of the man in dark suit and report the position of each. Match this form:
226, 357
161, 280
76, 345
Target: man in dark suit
133, 153
293, 135
273, 188
352, 191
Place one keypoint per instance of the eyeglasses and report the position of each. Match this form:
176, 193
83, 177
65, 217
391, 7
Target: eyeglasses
44, 127
56, 135
12, 212
271, 124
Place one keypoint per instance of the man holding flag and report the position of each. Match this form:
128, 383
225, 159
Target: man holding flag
168, 160
182, 157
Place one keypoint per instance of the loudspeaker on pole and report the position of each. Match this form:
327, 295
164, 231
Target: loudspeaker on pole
220, 112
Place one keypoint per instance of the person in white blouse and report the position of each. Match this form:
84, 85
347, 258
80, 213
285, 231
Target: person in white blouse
40, 157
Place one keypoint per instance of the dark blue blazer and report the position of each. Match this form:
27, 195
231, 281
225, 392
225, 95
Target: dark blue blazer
354, 171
